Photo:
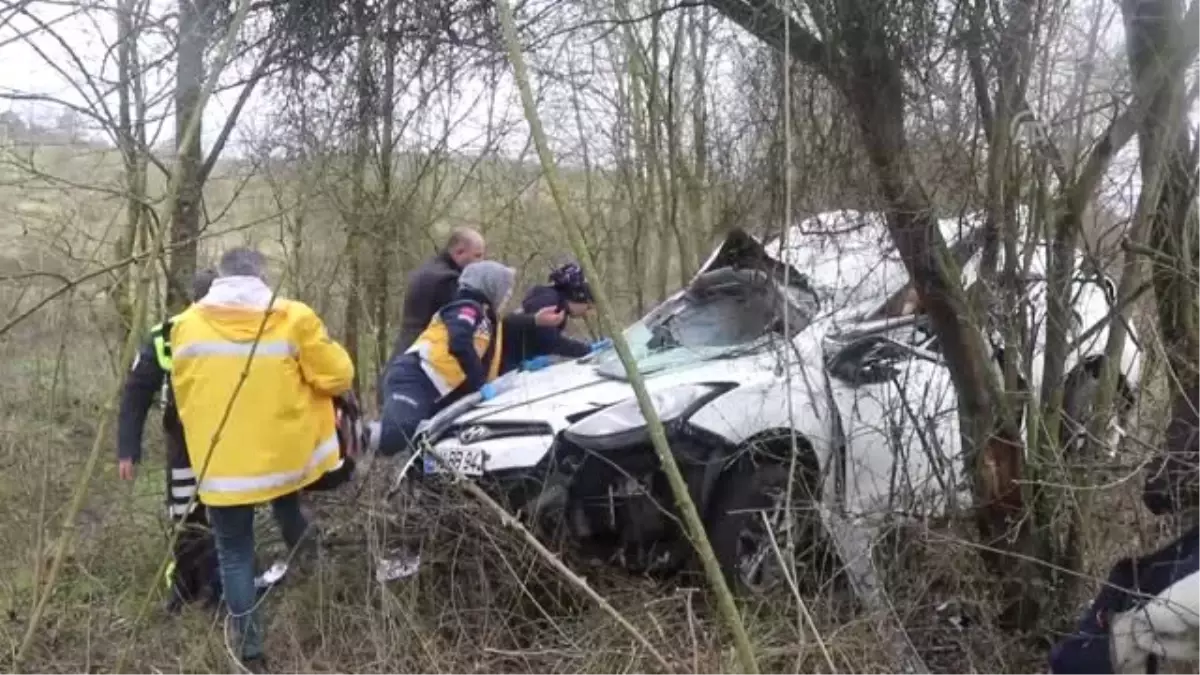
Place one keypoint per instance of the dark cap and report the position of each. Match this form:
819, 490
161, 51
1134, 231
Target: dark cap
569, 281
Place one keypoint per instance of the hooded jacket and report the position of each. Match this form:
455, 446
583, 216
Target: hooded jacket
280, 434
463, 344
493, 280
1107, 635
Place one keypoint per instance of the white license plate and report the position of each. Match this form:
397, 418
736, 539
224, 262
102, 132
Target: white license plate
468, 461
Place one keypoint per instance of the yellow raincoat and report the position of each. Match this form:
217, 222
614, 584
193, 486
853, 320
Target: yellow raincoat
280, 432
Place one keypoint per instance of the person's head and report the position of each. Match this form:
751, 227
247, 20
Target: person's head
242, 262
490, 278
465, 246
569, 282
201, 282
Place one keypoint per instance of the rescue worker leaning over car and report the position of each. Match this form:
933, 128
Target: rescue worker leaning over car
570, 295
193, 569
277, 437
458, 353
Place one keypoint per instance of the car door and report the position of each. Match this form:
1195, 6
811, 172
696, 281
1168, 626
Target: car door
898, 425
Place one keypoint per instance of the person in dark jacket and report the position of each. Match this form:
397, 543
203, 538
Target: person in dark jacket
1110, 634
567, 292
433, 285
194, 565
1128, 618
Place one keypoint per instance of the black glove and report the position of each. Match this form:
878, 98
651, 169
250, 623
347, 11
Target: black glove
348, 404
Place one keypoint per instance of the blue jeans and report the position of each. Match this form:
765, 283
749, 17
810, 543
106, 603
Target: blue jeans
408, 399
233, 529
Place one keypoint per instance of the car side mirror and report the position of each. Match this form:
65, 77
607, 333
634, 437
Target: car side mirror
866, 360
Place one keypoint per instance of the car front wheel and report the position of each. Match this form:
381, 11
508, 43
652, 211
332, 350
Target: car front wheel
754, 531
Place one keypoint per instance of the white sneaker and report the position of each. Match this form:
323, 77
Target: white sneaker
398, 566
370, 437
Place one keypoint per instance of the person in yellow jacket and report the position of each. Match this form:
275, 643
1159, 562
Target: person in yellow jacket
458, 353
254, 380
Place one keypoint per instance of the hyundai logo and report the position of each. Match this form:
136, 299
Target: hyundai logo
473, 434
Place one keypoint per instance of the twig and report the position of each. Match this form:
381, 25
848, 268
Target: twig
511, 521
788, 573
69, 284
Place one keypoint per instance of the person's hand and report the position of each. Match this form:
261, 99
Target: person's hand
548, 317
601, 345
125, 469
536, 363
487, 392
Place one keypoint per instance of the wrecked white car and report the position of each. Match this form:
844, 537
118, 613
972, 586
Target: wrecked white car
773, 372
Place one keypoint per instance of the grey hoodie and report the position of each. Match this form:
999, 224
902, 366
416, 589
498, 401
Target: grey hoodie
490, 278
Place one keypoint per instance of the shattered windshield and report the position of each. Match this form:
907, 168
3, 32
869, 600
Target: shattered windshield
722, 311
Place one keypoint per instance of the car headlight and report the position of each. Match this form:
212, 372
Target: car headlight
670, 404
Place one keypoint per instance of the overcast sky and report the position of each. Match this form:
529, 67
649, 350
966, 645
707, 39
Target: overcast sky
47, 69
43, 65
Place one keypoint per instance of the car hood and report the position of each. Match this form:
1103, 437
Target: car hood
562, 393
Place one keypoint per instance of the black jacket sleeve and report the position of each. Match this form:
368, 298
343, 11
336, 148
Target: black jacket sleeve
143, 383
561, 345
524, 339
462, 320
520, 341
1173, 480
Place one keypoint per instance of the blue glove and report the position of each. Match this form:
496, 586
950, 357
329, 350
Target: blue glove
487, 392
536, 363
601, 345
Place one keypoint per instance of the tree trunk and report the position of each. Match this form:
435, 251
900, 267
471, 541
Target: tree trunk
130, 104
195, 24
701, 36
875, 93
358, 205
387, 225
1151, 30
866, 70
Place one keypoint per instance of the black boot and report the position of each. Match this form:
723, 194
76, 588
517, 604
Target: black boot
256, 664
173, 604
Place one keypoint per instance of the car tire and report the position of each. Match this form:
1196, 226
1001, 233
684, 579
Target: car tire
738, 534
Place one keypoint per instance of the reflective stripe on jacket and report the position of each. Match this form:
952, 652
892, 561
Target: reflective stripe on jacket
433, 345
279, 435
162, 347
159, 337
